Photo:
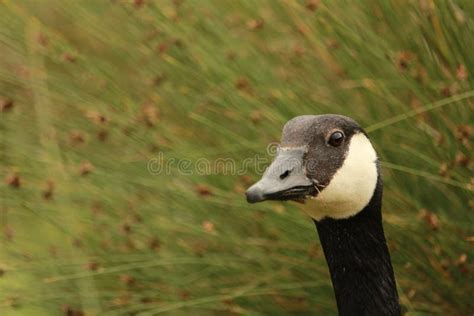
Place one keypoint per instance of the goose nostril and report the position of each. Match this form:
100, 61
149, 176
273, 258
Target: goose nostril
285, 174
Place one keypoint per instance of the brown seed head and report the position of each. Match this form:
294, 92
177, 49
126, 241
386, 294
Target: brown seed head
69, 311
255, 24
96, 117
461, 72
78, 243
138, 3
93, 266
183, 295
443, 169
123, 299
246, 179
151, 114
158, 79
13, 179
42, 39
302, 28
6, 104
203, 190
448, 90
440, 139
430, 219
126, 228
421, 74
231, 55
8, 232
403, 60
85, 168
312, 5
256, 117
332, 44
154, 244
76, 138
461, 262
208, 226
48, 190
69, 57
416, 104
162, 47
178, 3
102, 135
199, 247
444, 264
242, 83
146, 300
463, 132
127, 279
461, 159
462, 259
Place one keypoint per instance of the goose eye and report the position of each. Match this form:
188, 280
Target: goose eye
336, 139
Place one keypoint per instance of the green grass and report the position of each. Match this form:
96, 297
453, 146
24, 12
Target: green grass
206, 79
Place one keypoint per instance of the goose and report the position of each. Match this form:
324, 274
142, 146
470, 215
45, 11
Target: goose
328, 163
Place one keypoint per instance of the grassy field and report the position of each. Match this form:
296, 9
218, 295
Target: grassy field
92, 91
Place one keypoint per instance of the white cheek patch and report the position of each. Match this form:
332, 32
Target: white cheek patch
351, 187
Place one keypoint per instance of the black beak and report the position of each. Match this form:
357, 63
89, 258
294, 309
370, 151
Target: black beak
285, 179
298, 193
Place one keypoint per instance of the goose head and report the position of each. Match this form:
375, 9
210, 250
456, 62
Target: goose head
325, 160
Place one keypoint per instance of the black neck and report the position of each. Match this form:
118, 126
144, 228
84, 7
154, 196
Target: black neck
359, 261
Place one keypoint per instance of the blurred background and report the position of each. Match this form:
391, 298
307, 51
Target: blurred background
92, 91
